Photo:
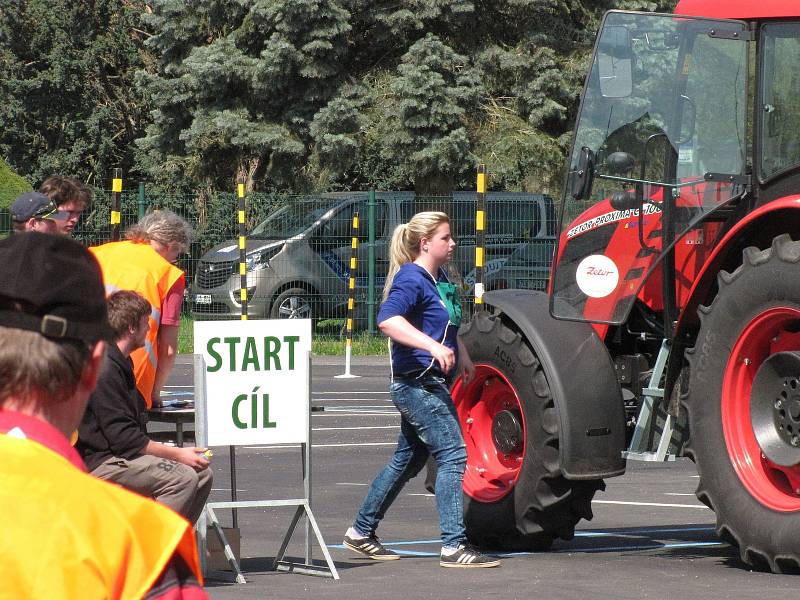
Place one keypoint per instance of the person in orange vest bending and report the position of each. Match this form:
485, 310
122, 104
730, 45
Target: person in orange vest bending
67, 534
144, 264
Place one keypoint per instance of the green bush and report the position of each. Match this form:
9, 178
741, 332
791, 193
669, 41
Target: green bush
11, 186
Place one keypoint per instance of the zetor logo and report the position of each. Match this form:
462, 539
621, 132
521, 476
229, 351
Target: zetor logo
598, 271
597, 276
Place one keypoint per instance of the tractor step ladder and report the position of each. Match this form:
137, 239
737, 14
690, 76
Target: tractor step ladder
652, 395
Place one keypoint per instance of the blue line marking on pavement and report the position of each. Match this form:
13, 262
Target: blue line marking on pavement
637, 547
582, 534
624, 532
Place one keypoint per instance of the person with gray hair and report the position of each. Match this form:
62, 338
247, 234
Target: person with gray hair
164, 228
143, 263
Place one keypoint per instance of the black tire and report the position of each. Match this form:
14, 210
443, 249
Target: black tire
542, 505
294, 303
766, 283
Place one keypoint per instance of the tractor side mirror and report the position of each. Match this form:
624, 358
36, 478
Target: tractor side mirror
624, 200
584, 176
620, 163
615, 62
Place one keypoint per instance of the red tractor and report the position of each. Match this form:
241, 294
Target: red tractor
672, 322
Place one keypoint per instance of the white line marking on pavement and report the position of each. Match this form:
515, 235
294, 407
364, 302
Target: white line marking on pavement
313, 393
331, 413
324, 445
328, 400
650, 504
426, 495
676, 494
360, 407
353, 428
357, 444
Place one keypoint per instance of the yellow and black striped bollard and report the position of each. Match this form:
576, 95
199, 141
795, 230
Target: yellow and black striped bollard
116, 190
242, 251
480, 237
351, 298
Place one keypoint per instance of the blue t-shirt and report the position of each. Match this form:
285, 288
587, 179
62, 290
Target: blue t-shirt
414, 296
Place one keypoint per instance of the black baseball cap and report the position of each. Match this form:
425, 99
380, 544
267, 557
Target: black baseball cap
33, 205
52, 285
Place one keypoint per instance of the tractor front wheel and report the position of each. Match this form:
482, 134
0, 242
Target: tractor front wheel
516, 496
743, 406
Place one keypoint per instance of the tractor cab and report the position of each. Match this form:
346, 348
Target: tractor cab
660, 143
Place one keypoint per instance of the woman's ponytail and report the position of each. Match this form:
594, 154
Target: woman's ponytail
404, 247
399, 254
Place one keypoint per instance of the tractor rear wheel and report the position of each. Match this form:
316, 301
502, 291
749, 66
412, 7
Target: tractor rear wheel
516, 497
743, 406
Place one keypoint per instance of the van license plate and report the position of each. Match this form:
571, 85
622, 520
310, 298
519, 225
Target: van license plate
530, 284
202, 299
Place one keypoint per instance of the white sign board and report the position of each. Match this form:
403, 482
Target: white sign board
257, 388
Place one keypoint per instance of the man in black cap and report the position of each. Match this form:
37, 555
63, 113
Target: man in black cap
33, 211
65, 533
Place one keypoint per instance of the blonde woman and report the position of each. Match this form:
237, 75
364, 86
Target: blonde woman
420, 315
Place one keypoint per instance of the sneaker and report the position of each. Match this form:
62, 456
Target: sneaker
467, 557
370, 547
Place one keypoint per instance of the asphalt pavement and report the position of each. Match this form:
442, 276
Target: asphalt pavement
650, 536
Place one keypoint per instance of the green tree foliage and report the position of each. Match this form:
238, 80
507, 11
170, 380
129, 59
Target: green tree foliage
238, 85
67, 101
427, 139
298, 95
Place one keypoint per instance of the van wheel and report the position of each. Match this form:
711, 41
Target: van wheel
294, 303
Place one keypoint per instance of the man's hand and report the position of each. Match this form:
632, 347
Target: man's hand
155, 399
192, 457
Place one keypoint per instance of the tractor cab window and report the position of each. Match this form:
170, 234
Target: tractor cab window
660, 142
780, 101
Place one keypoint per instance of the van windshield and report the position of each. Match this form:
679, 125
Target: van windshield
293, 219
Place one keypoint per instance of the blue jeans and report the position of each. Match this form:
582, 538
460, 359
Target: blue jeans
429, 424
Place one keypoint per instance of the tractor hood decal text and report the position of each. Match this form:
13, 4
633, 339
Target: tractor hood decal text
610, 217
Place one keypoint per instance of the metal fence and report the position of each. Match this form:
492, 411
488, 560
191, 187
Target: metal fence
298, 248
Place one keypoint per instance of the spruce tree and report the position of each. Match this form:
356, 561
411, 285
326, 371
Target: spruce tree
238, 85
434, 89
67, 101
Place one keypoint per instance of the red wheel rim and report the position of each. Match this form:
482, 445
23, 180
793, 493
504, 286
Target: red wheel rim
490, 473
774, 486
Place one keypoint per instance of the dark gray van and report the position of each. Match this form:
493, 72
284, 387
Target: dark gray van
298, 257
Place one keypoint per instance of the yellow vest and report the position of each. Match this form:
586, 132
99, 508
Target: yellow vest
66, 534
136, 266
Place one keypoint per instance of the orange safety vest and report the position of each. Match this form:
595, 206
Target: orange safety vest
67, 534
137, 266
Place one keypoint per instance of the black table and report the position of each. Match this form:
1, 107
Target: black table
177, 415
